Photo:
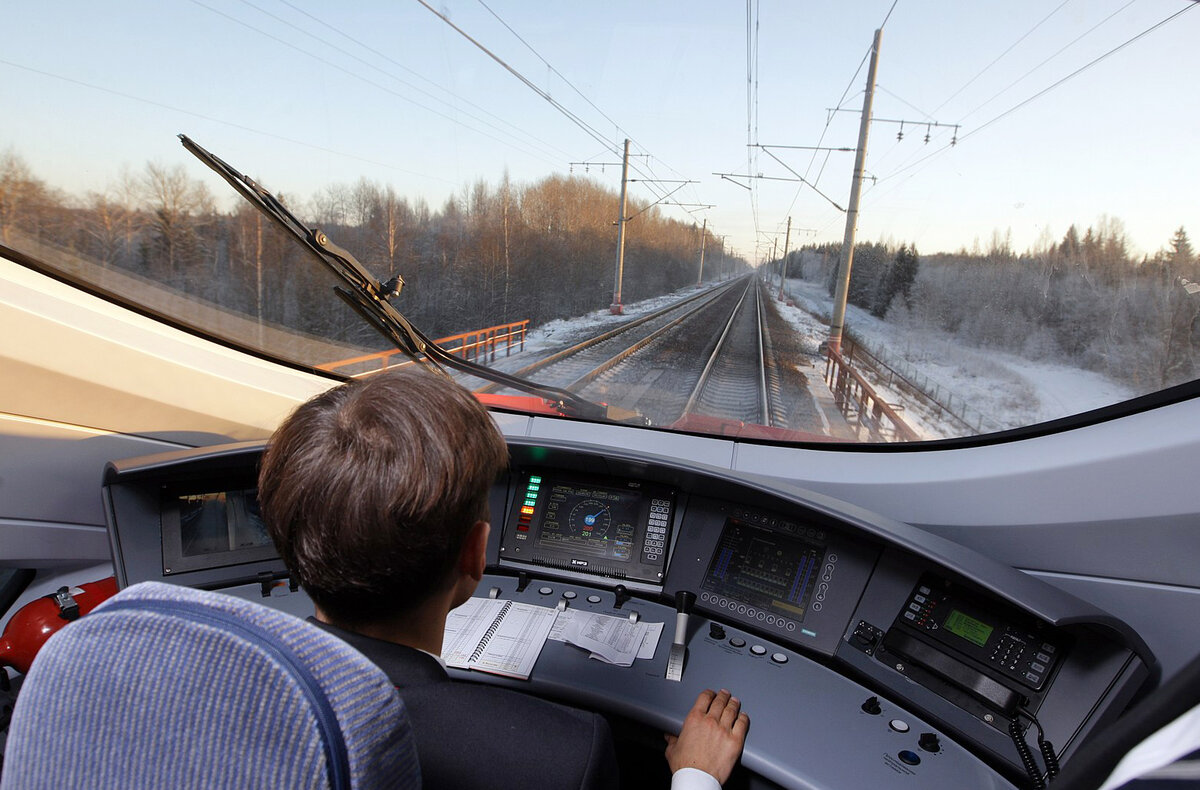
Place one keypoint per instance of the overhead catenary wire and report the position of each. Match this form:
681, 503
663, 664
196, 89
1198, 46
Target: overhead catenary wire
553, 70
576, 119
1040, 93
1061, 50
752, 9
364, 79
326, 25
1080, 70
824, 131
1000, 57
616, 126
571, 116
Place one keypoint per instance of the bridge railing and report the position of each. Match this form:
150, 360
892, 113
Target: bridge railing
861, 405
478, 345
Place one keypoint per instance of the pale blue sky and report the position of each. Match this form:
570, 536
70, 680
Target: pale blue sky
1118, 139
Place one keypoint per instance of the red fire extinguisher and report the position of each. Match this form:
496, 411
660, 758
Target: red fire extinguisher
41, 618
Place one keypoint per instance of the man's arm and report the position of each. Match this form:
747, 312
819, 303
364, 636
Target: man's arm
712, 737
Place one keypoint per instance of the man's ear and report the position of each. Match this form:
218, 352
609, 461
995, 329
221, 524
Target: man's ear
472, 560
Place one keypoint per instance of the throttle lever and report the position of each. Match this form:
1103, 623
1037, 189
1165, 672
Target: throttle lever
678, 655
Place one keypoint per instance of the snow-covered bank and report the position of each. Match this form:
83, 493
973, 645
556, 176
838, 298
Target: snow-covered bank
998, 390
551, 336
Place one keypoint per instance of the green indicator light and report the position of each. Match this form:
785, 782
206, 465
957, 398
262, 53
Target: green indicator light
530, 502
535, 479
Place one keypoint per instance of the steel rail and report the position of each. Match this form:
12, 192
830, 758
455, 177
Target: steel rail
712, 359
621, 356
712, 294
764, 400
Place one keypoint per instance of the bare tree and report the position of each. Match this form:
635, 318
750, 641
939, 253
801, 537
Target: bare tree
177, 204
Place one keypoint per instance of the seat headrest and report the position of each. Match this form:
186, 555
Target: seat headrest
166, 686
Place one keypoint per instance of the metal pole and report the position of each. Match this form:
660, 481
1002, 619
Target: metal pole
787, 240
703, 228
846, 259
616, 308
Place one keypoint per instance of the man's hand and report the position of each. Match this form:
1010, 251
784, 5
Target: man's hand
712, 737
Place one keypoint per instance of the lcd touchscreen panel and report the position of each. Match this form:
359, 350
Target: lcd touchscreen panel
765, 569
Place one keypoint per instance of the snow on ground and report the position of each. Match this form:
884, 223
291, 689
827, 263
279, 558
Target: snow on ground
566, 330
992, 390
549, 337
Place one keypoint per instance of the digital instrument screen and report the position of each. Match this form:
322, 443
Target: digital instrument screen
970, 629
765, 569
212, 529
224, 521
605, 527
589, 520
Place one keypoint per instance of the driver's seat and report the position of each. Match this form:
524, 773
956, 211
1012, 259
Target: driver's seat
167, 687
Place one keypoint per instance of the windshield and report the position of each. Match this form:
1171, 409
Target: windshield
870, 222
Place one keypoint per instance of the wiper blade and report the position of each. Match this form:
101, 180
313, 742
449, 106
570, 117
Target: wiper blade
369, 297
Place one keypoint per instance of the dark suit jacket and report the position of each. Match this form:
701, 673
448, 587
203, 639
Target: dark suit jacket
476, 736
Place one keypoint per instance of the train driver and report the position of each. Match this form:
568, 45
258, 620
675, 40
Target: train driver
375, 494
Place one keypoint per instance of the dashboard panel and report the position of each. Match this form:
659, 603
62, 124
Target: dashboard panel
912, 653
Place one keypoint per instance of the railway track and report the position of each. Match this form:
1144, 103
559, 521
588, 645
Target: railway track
579, 364
709, 356
736, 382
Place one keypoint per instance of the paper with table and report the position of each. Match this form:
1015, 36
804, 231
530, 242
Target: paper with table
613, 640
506, 637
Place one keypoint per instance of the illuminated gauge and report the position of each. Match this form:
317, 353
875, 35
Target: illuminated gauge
590, 519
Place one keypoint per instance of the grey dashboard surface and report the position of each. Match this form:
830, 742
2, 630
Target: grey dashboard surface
868, 564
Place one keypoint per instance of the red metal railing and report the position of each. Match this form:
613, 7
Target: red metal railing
861, 406
478, 345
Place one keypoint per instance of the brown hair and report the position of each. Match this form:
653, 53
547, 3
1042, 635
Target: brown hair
369, 489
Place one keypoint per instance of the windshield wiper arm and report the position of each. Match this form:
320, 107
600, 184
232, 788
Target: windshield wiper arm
369, 297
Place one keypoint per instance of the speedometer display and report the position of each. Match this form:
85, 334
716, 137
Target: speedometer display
594, 521
606, 527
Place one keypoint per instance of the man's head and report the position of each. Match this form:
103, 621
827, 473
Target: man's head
370, 489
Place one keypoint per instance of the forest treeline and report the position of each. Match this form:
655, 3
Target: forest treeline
490, 255
1084, 300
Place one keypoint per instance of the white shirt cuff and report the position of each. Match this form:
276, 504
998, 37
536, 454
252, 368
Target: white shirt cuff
693, 779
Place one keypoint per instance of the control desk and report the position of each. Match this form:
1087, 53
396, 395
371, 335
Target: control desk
864, 650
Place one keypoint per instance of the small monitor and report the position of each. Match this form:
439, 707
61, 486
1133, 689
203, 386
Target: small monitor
212, 529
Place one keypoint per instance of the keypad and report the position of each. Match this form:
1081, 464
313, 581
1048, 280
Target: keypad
654, 547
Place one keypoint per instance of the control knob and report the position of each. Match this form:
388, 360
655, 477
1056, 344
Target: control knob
872, 706
929, 742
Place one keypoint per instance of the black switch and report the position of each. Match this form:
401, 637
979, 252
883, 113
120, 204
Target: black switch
716, 630
929, 742
872, 706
